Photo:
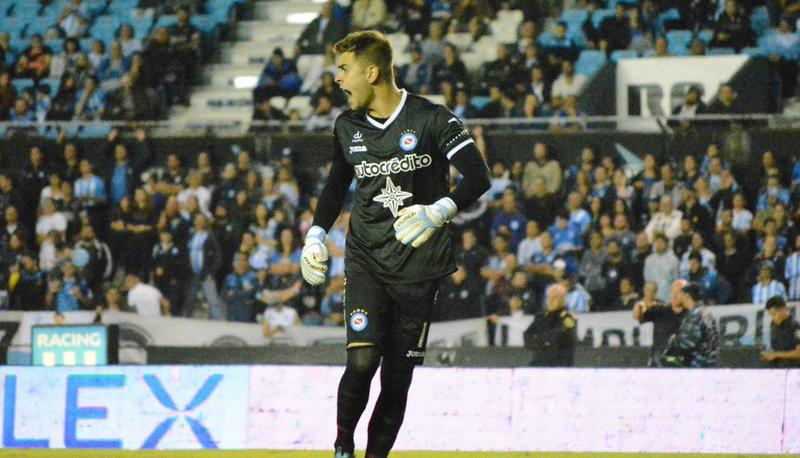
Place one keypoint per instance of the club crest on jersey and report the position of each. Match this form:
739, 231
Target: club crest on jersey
358, 137
408, 141
359, 320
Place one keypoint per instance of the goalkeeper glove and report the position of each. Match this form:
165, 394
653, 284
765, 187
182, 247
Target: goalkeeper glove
417, 223
314, 258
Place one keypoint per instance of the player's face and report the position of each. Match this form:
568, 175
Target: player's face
352, 79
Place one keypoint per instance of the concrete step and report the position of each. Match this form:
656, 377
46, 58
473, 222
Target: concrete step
226, 97
225, 75
280, 10
266, 30
254, 53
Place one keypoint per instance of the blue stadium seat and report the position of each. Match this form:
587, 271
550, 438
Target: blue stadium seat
721, 52
205, 23
706, 35
20, 84
86, 44
678, 41
759, 20
589, 62
13, 25
480, 102
546, 39
5, 7
753, 52
623, 54
599, 15
141, 26
669, 15
20, 44
94, 131
104, 27
574, 16
57, 45
54, 84
38, 27
167, 20
122, 8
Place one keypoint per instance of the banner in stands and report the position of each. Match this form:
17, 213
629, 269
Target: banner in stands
740, 325
294, 408
652, 86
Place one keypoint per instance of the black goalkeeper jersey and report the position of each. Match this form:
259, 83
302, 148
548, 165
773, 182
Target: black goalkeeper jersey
397, 163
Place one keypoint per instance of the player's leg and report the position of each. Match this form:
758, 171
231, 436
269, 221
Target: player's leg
362, 362
396, 375
365, 301
412, 309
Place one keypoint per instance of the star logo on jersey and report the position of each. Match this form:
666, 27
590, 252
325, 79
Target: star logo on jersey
392, 197
358, 137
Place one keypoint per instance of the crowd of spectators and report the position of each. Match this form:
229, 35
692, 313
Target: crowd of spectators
67, 73
221, 241
533, 77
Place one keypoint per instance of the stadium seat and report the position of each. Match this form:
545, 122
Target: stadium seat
759, 20
511, 17
589, 62
472, 60
56, 45
301, 103
480, 102
105, 28
86, 44
38, 27
204, 23
122, 8
624, 54
278, 102
167, 20
462, 41
599, 15
666, 16
503, 32
753, 52
486, 47
94, 131
721, 51
706, 35
13, 25
306, 62
5, 7
574, 16
399, 41
678, 41
141, 25
20, 84
54, 84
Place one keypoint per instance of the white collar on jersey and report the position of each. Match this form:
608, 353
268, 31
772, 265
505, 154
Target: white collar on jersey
394, 114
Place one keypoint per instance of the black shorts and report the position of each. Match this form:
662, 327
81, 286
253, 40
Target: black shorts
395, 318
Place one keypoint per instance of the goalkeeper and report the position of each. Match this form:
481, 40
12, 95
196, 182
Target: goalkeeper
399, 147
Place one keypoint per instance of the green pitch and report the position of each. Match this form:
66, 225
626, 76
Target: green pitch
325, 454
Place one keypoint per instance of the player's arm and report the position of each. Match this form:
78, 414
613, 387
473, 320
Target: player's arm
314, 258
417, 223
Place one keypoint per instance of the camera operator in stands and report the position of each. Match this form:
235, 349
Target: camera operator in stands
666, 318
784, 336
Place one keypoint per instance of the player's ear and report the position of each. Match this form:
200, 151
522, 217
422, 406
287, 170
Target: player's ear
372, 74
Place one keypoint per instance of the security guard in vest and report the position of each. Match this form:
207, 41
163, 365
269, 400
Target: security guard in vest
552, 336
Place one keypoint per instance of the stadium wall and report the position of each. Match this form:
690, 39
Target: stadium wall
290, 407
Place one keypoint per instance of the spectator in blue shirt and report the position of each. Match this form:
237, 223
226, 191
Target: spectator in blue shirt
579, 218
705, 278
239, 290
416, 74
509, 222
89, 188
279, 77
70, 292
566, 237
21, 112
91, 103
773, 194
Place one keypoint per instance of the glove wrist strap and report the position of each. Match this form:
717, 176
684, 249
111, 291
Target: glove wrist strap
449, 207
315, 233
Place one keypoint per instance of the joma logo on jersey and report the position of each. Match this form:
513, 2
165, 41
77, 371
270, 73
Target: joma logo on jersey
358, 149
408, 163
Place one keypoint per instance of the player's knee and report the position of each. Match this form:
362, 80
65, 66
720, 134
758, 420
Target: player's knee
363, 361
